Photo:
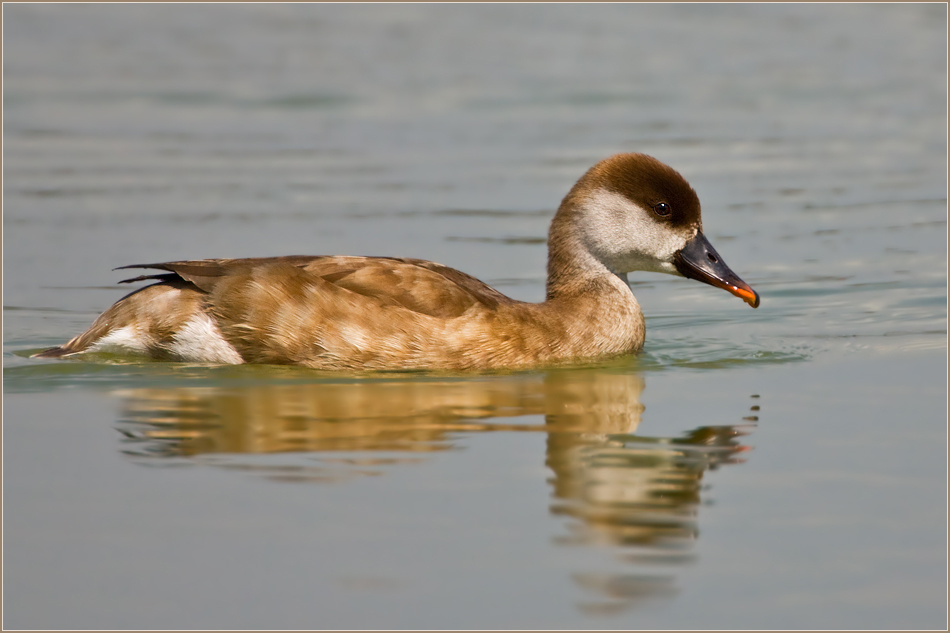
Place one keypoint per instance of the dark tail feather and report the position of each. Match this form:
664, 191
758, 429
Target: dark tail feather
161, 277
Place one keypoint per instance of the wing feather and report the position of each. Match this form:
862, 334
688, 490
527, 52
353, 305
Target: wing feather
418, 285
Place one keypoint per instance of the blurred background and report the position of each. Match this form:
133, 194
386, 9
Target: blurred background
146, 495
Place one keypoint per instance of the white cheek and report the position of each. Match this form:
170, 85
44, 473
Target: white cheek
627, 237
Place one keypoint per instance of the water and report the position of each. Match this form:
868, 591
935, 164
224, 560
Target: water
775, 468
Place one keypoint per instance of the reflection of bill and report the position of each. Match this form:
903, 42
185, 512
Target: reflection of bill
638, 494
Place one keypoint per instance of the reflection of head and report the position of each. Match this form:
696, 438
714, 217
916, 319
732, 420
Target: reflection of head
641, 494
633, 490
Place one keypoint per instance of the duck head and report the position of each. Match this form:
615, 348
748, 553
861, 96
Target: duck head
631, 212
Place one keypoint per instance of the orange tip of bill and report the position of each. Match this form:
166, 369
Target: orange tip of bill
747, 294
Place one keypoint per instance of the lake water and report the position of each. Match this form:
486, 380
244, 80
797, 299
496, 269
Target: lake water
784, 467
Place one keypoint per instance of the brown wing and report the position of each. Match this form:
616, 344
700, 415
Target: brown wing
206, 273
419, 285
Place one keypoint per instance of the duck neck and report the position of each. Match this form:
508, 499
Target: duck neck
573, 271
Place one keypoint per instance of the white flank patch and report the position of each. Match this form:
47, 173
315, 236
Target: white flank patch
125, 340
200, 341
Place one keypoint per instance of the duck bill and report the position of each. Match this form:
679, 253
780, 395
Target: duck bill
699, 260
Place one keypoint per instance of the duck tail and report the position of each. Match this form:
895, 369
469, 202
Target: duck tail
55, 352
142, 322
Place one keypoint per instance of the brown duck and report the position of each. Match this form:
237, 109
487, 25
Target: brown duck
629, 212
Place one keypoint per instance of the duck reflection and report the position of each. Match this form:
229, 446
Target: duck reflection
640, 495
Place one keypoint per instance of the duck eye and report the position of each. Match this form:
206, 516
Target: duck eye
663, 209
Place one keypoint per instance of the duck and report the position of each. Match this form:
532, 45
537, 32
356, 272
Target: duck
629, 212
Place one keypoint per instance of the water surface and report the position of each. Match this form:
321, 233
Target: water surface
775, 468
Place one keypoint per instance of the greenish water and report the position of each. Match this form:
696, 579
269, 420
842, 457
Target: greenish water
775, 468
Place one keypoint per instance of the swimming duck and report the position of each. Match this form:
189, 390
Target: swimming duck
629, 212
